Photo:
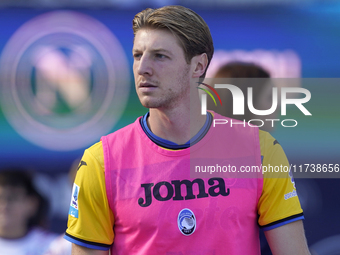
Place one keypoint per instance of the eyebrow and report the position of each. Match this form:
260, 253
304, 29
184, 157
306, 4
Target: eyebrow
160, 50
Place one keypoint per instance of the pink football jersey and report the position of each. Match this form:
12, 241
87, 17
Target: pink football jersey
162, 205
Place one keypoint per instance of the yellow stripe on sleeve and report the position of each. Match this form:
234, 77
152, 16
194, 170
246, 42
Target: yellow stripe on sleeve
274, 203
95, 218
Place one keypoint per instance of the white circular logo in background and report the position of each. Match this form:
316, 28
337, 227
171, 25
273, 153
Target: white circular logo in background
186, 222
65, 80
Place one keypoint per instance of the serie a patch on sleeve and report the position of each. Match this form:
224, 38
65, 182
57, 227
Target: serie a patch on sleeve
74, 201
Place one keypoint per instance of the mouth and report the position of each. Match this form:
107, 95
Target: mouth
146, 85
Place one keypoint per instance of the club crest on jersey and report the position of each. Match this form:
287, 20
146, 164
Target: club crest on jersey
186, 222
74, 201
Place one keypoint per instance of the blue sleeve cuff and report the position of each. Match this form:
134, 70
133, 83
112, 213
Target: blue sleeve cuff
282, 222
87, 244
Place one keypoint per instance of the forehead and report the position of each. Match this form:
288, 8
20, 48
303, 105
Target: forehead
155, 39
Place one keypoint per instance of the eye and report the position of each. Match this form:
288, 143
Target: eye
160, 56
137, 56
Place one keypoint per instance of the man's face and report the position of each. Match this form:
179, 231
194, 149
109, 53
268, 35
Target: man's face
16, 207
162, 75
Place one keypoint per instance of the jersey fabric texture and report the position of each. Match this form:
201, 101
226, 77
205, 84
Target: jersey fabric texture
36, 242
130, 191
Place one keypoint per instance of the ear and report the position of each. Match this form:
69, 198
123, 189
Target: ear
200, 63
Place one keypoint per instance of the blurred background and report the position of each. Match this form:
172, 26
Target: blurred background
66, 80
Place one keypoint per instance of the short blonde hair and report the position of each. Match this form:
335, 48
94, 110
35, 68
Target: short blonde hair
191, 30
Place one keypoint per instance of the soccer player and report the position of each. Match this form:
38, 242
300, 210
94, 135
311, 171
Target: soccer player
133, 193
245, 75
21, 215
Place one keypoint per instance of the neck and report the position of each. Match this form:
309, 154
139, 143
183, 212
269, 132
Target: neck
178, 124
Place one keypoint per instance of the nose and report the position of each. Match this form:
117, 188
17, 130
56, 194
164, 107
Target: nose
144, 65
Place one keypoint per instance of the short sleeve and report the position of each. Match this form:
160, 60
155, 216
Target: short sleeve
90, 220
279, 203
